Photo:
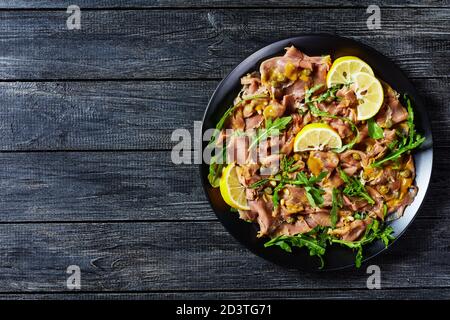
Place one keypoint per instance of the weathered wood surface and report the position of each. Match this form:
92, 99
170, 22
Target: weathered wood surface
207, 43
85, 123
189, 256
118, 4
129, 115
144, 186
263, 294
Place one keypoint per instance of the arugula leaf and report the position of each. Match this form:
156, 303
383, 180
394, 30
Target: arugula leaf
258, 183
313, 194
311, 91
354, 187
337, 203
316, 245
375, 131
216, 166
275, 196
373, 232
272, 128
407, 143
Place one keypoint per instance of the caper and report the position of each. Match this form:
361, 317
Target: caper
405, 173
356, 156
268, 190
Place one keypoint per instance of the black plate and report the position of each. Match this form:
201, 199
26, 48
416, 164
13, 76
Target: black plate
337, 257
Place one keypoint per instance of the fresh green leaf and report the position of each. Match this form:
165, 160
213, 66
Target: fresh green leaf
259, 183
375, 131
275, 196
354, 187
411, 141
272, 128
337, 203
316, 247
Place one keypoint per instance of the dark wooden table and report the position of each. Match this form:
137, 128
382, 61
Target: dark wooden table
85, 135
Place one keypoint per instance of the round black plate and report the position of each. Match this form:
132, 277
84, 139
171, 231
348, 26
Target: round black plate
337, 257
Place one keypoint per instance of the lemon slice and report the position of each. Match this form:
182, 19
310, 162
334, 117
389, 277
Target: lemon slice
315, 136
233, 192
344, 67
369, 93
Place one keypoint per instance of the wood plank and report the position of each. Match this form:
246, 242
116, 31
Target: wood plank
13, 4
307, 294
128, 115
205, 43
193, 256
147, 186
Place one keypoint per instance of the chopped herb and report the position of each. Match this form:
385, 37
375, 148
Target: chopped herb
354, 187
272, 128
336, 205
407, 143
375, 131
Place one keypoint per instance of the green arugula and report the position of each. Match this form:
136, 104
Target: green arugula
218, 160
337, 203
314, 240
406, 143
354, 187
313, 194
318, 239
373, 232
272, 128
375, 131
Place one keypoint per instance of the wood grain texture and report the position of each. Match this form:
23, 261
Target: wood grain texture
323, 294
192, 256
207, 43
147, 186
33, 4
128, 115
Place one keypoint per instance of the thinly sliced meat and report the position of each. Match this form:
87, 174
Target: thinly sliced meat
354, 203
264, 217
247, 215
253, 122
355, 230
294, 200
237, 149
237, 120
348, 98
351, 161
251, 83
289, 229
392, 111
319, 218
342, 127
319, 161
377, 207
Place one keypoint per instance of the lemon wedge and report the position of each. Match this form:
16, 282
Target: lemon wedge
369, 93
315, 136
233, 192
344, 67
